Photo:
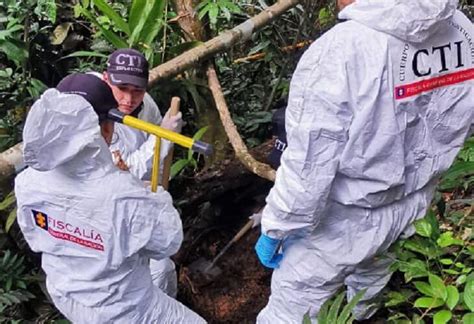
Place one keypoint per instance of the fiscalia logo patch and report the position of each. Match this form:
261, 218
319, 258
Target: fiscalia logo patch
66, 231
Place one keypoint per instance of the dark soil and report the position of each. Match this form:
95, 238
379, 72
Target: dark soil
238, 293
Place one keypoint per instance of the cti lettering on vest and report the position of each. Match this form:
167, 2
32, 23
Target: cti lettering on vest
439, 52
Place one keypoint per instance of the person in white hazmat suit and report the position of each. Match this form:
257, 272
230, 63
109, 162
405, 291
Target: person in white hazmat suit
95, 225
379, 106
132, 149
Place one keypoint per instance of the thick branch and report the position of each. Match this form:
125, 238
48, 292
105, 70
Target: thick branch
261, 169
10, 161
225, 40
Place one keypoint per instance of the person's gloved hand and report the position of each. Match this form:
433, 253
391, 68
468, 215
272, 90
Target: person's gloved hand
267, 251
257, 219
172, 123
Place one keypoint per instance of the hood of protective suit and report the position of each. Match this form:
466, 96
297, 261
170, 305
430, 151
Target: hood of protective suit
62, 130
410, 20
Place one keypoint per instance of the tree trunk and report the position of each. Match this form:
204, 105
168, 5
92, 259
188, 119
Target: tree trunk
207, 115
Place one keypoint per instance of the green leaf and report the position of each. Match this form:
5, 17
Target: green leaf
446, 239
438, 286
154, 22
442, 317
8, 201
468, 318
459, 265
422, 246
14, 50
446, 261
4, 34
113, 38
395, 298
346, 311
322, 316
178, 166
213, 13
452, 178
461, 280
414, 268
113, 16
423, 228
36, 88
9, 283
306, 319
424, 288
231, 6
431, 218
453, 297
334, 309
451, 272
416, 319
196, 137
469, 295
428, 302
205, 9
10, 220
85, 54
137, 11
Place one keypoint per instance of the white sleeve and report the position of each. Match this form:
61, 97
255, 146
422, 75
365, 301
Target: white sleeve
156, 226
317, 122
140, 162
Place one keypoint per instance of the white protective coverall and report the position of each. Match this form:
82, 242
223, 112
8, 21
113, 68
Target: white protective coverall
379, 106
95, 225
136, 149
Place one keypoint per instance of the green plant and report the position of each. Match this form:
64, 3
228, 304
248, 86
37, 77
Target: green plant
13, 282
8, 204
182, 163
437, 262
217, 9
145, 21
331, 312
440, 261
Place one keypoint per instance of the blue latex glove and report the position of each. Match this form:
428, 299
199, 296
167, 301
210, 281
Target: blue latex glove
267, 249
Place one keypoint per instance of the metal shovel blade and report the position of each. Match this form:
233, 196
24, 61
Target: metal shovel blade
205, 267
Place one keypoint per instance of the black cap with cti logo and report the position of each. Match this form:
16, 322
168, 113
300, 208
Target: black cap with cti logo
127, 66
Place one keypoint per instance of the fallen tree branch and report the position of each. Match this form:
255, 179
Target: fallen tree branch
261, 55
261, 169
10, 161
225, 40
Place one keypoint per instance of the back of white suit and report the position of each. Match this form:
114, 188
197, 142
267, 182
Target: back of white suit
96, 226
378, 109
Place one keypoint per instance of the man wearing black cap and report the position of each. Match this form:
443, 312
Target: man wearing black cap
96, 226
127, 76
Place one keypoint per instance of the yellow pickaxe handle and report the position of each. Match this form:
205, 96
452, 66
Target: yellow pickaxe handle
155, 171
175, 101
187, 142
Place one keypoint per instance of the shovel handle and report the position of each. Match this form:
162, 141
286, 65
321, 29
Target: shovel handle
174, 110
242, 231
